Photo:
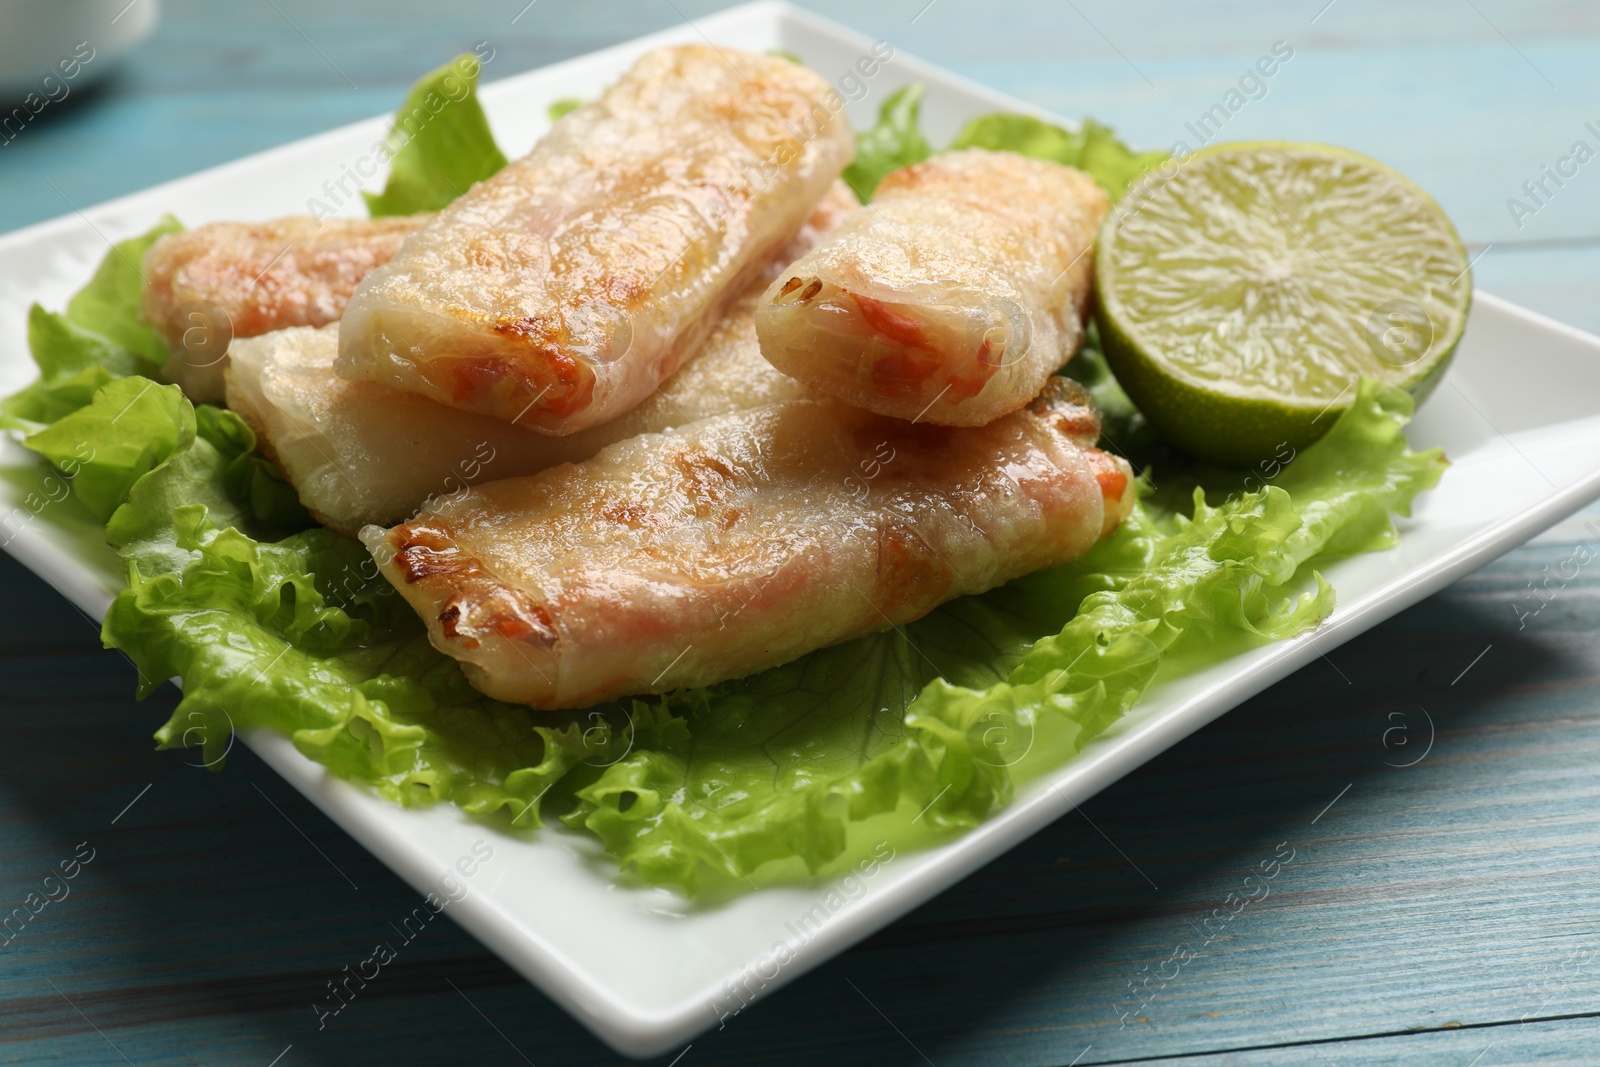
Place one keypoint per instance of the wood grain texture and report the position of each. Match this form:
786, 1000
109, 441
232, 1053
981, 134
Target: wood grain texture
1437, 913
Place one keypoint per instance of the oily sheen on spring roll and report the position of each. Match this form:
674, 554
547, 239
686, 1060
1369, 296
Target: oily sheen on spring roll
206, 286
742, 541
359, 452
952, 299
560, 292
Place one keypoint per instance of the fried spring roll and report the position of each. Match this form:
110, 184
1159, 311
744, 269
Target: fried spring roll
743, 541
207, 286
360, 452
560, 292
952, 299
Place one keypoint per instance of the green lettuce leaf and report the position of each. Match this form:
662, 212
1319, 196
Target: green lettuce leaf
100, 337
219, 469
304, 637
73, 363
440, 142
109, 305
132, 426
1093, 149
563, 107
896, 141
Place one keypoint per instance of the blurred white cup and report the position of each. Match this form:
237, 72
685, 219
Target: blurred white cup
50, 39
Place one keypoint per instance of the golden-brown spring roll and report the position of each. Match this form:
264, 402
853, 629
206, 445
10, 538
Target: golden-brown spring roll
952, 298
562, 291
206, 286
359, 452
742, 541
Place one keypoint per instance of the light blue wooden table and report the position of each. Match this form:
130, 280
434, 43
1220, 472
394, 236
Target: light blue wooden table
1445, 912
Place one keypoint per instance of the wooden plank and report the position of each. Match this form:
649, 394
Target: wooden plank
1558, 1044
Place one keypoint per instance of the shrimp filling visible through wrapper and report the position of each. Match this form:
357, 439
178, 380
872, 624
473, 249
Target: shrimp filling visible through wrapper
743, 541
562, 291
951, 298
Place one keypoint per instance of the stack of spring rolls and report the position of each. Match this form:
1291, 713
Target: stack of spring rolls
658, 404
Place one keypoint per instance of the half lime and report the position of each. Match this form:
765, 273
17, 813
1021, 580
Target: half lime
1242, 291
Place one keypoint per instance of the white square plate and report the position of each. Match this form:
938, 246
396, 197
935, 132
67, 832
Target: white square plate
640, 967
